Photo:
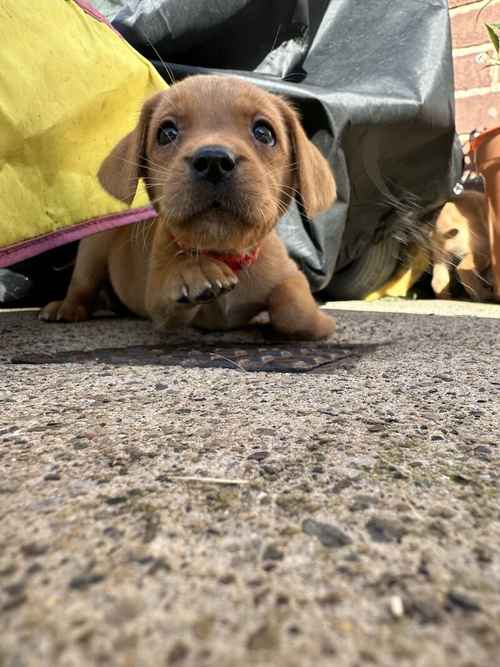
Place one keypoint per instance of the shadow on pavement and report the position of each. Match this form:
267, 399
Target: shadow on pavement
244, 357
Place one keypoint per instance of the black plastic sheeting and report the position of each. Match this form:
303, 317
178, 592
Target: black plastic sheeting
372, 79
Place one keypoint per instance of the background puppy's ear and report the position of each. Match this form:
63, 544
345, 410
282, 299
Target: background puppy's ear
120, 172
314, 177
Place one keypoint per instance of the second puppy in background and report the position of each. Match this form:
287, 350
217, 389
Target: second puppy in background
461, 248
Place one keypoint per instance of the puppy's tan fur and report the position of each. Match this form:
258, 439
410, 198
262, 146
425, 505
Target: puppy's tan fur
460, 245
150, 271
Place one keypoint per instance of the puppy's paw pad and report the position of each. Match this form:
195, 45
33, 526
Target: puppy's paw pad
207, 295
176, 291
194, 294
184, 296
212, 291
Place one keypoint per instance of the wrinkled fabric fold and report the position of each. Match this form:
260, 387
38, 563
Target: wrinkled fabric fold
372, 80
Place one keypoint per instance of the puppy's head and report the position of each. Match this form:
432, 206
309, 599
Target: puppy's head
450, 237
461, 228
221, 160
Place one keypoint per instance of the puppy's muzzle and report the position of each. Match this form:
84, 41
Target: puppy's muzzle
214, 164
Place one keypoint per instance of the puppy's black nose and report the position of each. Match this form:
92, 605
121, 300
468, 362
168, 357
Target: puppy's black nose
213, 163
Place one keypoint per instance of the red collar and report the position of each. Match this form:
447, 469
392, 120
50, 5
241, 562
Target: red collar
235, 262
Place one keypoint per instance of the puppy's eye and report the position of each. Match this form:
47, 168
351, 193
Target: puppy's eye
167, 133
264, 133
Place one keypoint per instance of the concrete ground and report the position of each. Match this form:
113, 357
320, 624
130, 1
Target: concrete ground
443, 308
169, 502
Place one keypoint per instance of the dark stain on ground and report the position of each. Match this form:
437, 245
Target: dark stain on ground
247, 357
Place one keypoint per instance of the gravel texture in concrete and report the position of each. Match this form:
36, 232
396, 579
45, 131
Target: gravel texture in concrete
154, 514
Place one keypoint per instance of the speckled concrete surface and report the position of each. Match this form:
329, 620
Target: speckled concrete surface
442, 307
363, 527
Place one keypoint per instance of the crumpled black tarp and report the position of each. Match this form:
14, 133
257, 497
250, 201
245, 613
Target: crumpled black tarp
373, 81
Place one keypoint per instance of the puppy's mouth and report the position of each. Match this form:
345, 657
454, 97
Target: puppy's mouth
229, 204
230, 210
223, 218
217, 224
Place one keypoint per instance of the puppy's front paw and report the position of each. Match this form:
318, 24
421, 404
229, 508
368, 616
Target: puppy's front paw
318, 327
199, 280
322, 326
294, 312
441, 288
64, 311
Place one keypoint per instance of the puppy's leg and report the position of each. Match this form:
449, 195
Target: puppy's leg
295, 313
90, 272
470, 279
165, 312
179, 283
441, 280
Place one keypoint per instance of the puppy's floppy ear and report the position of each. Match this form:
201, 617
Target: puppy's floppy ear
314, 178
120, 172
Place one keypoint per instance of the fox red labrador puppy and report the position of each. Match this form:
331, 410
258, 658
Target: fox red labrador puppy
221, 159
461, 248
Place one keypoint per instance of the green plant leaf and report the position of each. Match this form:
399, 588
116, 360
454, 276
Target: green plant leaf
494, 39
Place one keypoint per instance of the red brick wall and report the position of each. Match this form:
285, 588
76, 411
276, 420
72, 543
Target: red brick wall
477, 88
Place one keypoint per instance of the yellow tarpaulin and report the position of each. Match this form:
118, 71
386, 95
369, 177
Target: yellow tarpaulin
70, 88
406, 276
